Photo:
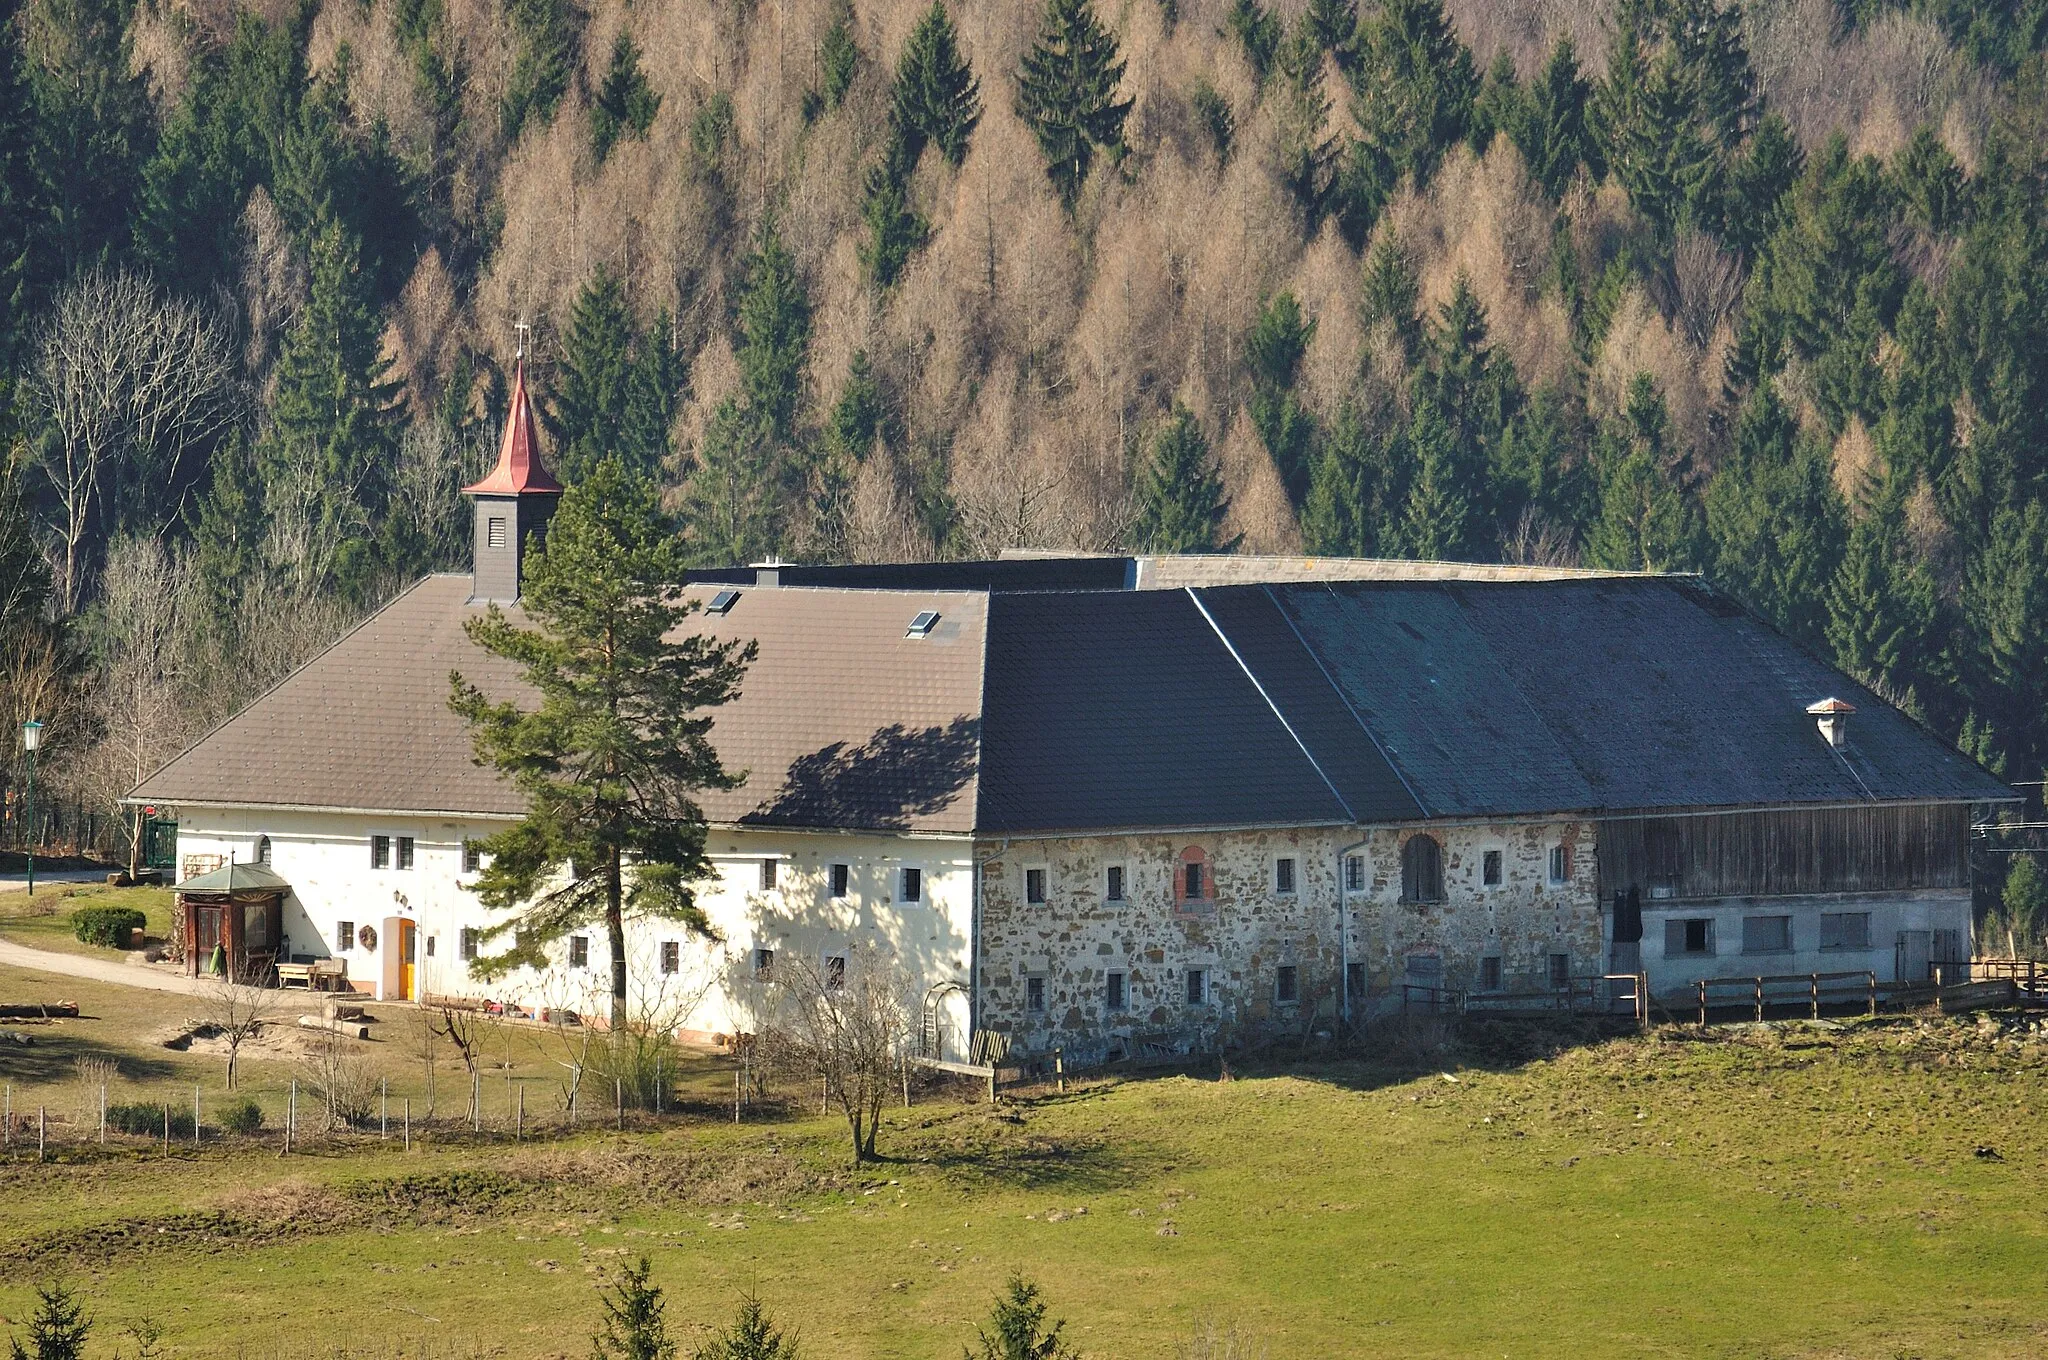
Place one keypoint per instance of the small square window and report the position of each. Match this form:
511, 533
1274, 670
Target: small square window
380, 852
1766, 934
1845, 930
405, 852
1489, 974
1034, 885
1113, 883
835, 972
1198, 987
1283, 877
768, 875
1034, 995
1560, 864
470, 942
1695, 936
1560, 971
472, 857
842, 874
579, 951
764, 963
344, 936
1114, 993
1354, 873
1489, 869
1287, 984
671, 956
911, 885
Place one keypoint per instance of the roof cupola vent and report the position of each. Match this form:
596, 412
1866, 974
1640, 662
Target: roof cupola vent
1833, 717
514, 501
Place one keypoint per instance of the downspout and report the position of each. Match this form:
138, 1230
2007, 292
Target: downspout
1344, 933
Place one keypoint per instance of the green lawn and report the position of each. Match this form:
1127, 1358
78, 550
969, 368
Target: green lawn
1794, 1192
44, 920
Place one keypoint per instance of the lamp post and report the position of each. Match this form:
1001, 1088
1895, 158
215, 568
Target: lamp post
31, 738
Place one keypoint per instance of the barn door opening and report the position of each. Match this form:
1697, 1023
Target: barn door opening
1912, 956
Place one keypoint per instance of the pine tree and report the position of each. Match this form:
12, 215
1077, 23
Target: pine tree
936, 98
595, 377
752, 1336
634, 1325
1180, 492
625, 104
1066, 95
838, 56
1017, 1329
774, 335
610, 760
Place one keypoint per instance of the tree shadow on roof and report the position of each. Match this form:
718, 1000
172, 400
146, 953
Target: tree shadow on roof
896, 776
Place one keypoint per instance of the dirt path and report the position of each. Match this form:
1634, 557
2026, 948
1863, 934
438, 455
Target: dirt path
98, 970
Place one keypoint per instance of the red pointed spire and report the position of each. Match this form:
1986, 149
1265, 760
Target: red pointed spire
520, 470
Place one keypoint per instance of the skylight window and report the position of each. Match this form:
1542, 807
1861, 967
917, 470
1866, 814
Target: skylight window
922, 625
722, 602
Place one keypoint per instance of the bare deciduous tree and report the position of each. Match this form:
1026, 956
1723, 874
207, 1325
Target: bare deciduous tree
843, 1021
236, 1007
128, 383
1708, 281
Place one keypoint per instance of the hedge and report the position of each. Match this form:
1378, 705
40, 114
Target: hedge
148, 1120
108, 926
242, 1116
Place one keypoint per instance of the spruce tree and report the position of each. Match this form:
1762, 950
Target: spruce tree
1180, 492
774, 335
1391, 292
1302, 114
1645, 521
1333, 24
652, 391
752, 1336
594, 378
625, 104
611, 757
227, 544
1258, 32
936, 98
1066, 95
1931, 183
1774, 519
1438, 524
730, 507
634, 1325
856, 420
1551, 131
335, 411
894, 230
547, 33
2005, 612
92, 130
1499, 106
1274, 351
1882, 605
1016, 1328
838, 56
57, 1329
1414, 86
1757, 184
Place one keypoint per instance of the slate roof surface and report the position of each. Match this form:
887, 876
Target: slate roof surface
1035, 713
1126, 710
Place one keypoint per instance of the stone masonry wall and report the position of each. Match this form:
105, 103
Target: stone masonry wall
1248, 929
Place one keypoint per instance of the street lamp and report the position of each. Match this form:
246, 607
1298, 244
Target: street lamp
31, 738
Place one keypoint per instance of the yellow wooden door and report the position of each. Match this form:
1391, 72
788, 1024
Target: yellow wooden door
408, 943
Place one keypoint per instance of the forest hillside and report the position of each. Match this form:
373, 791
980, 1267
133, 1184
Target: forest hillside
1759, 290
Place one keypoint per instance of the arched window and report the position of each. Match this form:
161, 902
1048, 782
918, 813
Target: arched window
1422, 870
263, 849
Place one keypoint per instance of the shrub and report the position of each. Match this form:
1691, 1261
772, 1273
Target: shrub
243, 1116
147, 1121
106, 926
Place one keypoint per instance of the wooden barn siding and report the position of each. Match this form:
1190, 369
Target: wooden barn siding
1766, 854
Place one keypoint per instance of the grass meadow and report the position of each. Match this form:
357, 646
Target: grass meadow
1872, 1189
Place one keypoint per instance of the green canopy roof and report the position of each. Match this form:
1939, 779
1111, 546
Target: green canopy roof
235, 878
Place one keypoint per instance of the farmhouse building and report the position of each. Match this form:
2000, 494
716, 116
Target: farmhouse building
1084, 800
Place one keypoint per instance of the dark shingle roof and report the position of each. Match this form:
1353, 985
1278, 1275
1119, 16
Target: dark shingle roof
1255, 705
1127, 711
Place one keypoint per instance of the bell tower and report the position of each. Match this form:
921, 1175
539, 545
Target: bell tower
513, 502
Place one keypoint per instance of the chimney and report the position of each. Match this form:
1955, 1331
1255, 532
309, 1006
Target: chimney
768, 573
513, 503
1833, 717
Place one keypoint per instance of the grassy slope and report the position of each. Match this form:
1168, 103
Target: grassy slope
1798, 1194
44, 921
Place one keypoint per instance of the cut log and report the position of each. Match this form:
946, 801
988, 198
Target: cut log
39, 1010
351, 1029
